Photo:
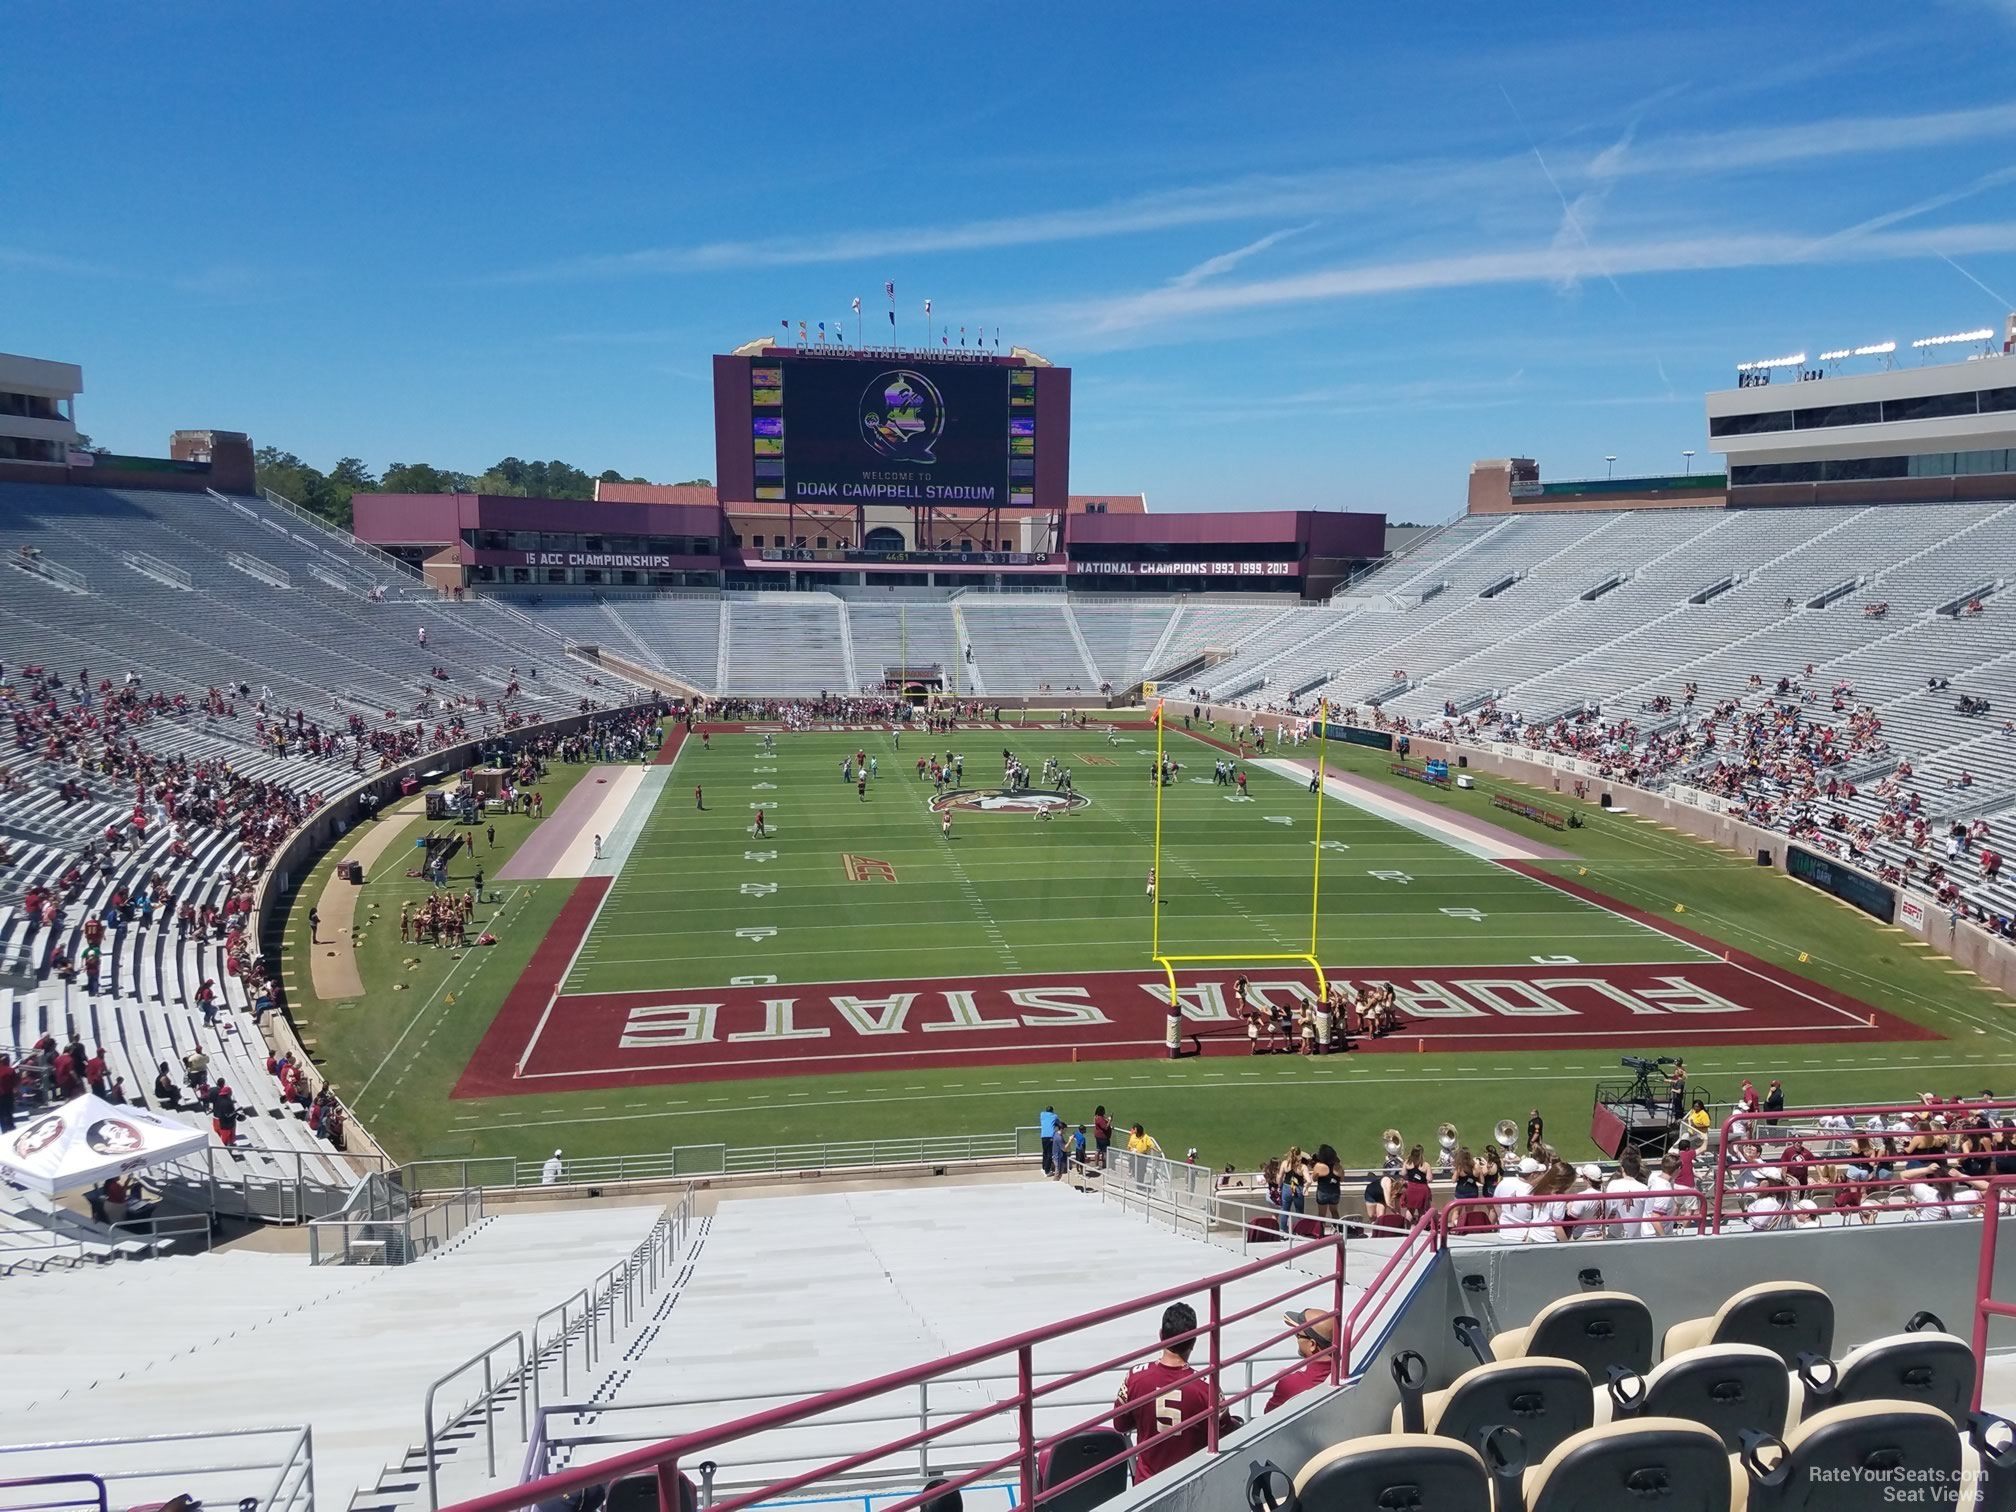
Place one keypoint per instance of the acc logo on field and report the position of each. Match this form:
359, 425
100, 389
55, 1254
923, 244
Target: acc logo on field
1006, 801
902, 416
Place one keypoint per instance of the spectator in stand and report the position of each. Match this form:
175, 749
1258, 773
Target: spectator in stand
166, 1093
1102, 1133
224, 1114
1326, 1185
10, 1087
1163, 1404
1766, 1210
1627, 1192
1516, 1214
1316, 1333
550, 1172
1046, 1134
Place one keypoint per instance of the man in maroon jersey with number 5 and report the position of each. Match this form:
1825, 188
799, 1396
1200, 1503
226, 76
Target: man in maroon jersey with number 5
1163, 1393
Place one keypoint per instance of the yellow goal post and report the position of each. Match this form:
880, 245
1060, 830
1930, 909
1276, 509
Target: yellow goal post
1169, 961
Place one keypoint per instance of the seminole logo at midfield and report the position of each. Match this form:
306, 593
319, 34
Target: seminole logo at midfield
1008, 801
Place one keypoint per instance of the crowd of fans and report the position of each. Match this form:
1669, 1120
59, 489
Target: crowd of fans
91, 741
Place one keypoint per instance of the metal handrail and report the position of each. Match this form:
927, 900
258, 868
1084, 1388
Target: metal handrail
293, 1486
486, 1402
102, 1501
663, 1459
566, 1349
686, 1161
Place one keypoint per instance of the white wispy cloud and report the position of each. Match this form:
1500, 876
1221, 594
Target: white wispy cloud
1225, 262
1277, 196
33, 261
1164, 307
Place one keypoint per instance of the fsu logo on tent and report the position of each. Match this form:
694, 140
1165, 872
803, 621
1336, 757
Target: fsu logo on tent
1008, 801
39, 1135
113, 1136
902, 416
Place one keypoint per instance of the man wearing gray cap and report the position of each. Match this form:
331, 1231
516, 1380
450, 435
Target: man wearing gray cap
1316, 1334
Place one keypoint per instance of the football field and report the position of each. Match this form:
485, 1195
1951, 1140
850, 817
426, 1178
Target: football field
853, 972
849, 887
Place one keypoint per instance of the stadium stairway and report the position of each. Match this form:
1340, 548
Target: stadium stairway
925, 1271
196, 1345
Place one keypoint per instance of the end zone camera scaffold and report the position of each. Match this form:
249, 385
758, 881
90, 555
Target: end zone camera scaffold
1169, 962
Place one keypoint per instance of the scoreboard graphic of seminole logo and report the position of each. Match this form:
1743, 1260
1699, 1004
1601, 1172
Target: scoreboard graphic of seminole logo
1007, 801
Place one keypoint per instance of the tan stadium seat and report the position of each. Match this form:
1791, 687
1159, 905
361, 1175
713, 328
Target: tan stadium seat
1666, 1463
1858, 1457
1595, 1329
1789, 1318
1731, 1389
1395, 1470
1545, 1401
1935, 1369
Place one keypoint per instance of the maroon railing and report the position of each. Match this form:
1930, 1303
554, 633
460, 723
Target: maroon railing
1365, 1322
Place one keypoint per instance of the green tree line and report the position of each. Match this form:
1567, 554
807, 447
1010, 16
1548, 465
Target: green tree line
328, 493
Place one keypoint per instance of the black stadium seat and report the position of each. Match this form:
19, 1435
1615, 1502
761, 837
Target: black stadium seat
1075, 1455
1731, 1389
1789, 1318
1666, 1463
1596, 1329
1857, 1457
1928, 1367
1395, 1470
1546, 1401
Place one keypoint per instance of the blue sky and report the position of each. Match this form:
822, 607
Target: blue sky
1314, 255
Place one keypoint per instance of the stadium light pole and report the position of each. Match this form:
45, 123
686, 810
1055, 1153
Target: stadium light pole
1690, 462
1609, 467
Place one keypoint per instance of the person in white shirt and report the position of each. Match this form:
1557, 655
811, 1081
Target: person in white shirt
1766, 1210
549, 1173
1587, 1209
1627, 1193
1659, 1198
1517, 1211
1928, 1202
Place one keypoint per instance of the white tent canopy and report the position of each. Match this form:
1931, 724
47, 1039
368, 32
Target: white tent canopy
86, 1140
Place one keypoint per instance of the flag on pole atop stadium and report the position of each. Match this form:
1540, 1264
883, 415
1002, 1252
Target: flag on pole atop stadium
889, 287
822, 330
857, 304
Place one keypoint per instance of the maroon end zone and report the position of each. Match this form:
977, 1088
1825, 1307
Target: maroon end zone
543, 1042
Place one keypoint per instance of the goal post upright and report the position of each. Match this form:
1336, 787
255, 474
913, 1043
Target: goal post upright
1316, 867
1170, 961
1155, 859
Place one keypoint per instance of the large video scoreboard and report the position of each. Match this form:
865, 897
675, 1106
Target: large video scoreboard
891, 427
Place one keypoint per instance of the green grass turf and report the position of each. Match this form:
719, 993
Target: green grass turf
1068, 896
1010, 893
